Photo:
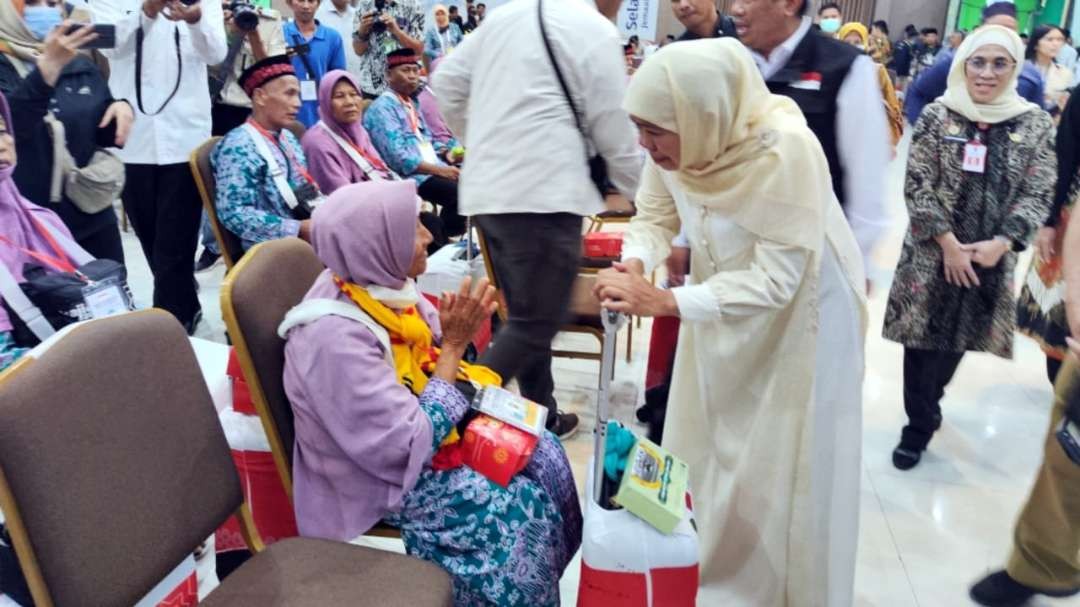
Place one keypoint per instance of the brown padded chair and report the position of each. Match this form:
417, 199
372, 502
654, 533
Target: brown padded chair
270, 280
230, 246
111, 477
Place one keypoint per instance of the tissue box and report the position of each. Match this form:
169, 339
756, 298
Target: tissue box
654, 486
603, 244
496, 449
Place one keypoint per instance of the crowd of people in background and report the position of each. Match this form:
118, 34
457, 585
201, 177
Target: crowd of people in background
376, 131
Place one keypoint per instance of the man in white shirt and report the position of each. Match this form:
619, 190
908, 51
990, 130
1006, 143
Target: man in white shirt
163, 48
339, 15
837, 89
526, 181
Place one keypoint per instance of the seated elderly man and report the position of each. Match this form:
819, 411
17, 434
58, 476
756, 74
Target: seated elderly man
264, 191
404, 140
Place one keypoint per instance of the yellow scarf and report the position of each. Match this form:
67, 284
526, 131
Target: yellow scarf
411, 342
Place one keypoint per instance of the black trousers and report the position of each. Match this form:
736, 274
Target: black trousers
225, 118
163, 205
926, 373
536, 259
444, 192
104, 243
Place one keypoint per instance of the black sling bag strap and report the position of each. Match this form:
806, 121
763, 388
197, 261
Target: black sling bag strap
598, 172
138, 70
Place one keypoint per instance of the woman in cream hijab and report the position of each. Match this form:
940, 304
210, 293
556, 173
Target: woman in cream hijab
765, 398
980, 179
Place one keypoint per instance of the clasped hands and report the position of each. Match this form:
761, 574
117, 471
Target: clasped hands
959, 257
624, 288
177, 10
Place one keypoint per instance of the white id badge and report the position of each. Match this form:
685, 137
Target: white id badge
975, 157
105, 298
308, 91
427, 152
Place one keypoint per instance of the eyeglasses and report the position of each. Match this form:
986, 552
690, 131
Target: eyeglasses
999, 66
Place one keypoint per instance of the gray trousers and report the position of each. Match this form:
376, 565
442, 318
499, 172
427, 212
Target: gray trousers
536, 258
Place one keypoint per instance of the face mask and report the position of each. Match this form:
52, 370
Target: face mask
830, 26
41, 20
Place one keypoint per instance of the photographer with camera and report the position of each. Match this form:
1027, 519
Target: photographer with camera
1046, 541
264, 191
160, 60
315, 50
382, 27
254, 33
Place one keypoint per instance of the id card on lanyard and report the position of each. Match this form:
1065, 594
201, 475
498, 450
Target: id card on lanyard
975, 156
309, 90
427, 150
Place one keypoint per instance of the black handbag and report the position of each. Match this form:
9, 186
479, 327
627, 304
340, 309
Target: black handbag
59, 295
598, 171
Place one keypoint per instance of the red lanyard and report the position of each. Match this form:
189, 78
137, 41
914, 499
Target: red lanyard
58, 262
410, 113
289, 158
375, 161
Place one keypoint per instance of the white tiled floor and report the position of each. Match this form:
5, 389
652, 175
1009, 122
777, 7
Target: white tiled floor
925, 534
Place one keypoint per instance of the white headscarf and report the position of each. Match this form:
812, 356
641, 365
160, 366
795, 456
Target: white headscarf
1008, 104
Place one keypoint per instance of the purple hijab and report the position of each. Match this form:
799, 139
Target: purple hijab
361, 438
328, 163
16, 224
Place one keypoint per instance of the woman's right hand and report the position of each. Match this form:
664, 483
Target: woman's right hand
461, 315
60, 48
1044, 243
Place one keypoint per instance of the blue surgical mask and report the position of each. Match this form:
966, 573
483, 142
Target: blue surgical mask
41, 20
830, 26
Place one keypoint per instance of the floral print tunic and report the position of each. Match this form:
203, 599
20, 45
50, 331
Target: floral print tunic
1011, 198
248, 203
501, 546
388, 126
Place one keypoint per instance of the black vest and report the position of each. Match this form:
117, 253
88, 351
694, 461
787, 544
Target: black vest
818, 58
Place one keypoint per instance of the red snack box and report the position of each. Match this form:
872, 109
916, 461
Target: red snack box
603, 244
496, 449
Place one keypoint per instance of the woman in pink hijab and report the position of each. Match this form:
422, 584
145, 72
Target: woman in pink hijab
20, 234
338, 149
365, 441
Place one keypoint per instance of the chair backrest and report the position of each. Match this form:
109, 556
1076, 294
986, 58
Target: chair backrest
114, 467
270, 280
489, 268
230, 245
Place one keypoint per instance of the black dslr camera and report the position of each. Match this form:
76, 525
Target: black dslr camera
380, 7
245, 15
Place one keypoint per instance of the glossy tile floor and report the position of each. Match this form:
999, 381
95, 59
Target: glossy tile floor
925, 534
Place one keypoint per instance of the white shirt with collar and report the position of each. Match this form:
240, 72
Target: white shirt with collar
168, 137
863, 140
342, 23
525, 153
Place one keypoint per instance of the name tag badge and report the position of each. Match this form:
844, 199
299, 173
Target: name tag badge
427, 152
105, 298
975, 157
308, 91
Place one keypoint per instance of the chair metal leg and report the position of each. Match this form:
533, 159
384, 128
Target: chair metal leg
630, 340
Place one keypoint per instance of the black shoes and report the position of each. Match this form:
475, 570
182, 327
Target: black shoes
904, 458
564, 426
1000, 590
206, 261
193, 324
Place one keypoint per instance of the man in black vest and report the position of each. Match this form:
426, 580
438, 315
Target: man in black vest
837, 89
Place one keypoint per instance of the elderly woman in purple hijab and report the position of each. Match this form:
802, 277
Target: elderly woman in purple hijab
338, 149
20, 234
365, 439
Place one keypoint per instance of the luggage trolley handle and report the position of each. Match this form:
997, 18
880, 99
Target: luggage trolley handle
612, 321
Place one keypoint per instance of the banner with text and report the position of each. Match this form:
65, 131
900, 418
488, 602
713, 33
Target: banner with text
638, 18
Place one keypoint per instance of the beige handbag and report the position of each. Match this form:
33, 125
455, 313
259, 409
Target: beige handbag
92, 188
